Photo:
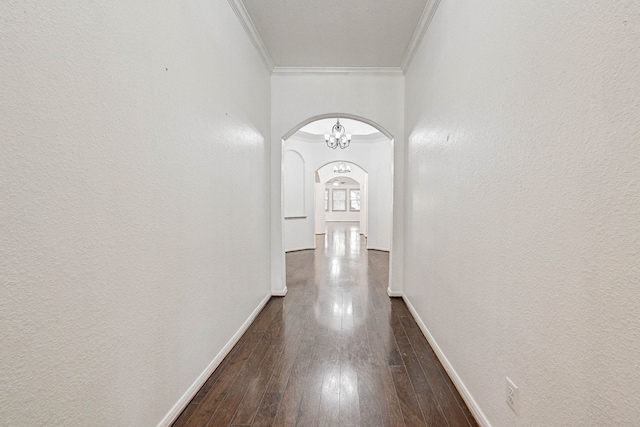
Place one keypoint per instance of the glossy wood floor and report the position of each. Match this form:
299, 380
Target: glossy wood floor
336, 351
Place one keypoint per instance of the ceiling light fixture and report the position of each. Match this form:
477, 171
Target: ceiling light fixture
341, 167
338, 137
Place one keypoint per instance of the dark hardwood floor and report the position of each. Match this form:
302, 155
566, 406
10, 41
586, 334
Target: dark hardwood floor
336, 351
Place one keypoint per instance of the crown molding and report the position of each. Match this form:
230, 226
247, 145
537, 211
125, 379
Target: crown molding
386, 71
250, 29
423, 25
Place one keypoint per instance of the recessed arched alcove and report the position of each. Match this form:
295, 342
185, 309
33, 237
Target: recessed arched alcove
293, 194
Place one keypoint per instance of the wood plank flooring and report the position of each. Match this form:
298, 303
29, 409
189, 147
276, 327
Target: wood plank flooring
336, 351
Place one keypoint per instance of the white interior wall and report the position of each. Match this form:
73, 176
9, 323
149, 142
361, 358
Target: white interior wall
374, 154
124, 122
298, 97
381, 200
124, 253
523, 192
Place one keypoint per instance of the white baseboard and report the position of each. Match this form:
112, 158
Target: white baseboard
393, 294
199, 382
457, 381
280, 293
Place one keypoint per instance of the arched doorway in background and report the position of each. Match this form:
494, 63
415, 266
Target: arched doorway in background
372, 150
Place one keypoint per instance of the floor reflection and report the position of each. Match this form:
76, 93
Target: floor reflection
340, 270
336, 351
343, 239
341, 304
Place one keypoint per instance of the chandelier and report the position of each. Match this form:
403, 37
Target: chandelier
338, 137
341, 168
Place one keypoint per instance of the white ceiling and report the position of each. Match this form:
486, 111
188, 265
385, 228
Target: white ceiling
343, 180
336, 33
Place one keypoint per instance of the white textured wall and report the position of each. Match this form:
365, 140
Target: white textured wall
130, 134
296, 98
523, 205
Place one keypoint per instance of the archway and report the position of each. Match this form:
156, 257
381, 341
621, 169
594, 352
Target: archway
371, 123
324, 197
372, 150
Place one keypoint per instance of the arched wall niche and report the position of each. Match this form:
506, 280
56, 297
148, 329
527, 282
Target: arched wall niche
293, 185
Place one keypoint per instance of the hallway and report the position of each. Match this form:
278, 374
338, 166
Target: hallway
336, 351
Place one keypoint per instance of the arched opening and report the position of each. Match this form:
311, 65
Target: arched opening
338, 181
370, 152
334, 116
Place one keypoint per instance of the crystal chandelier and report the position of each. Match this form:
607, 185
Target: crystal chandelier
341, 168
338, 137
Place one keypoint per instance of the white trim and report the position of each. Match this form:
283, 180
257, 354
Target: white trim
418, 34
393, 294
386, 71
423, 24
477, 413
250, 29
204, 376
281, 293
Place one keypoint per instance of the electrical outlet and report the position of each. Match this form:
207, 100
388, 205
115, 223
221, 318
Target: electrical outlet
512, 395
